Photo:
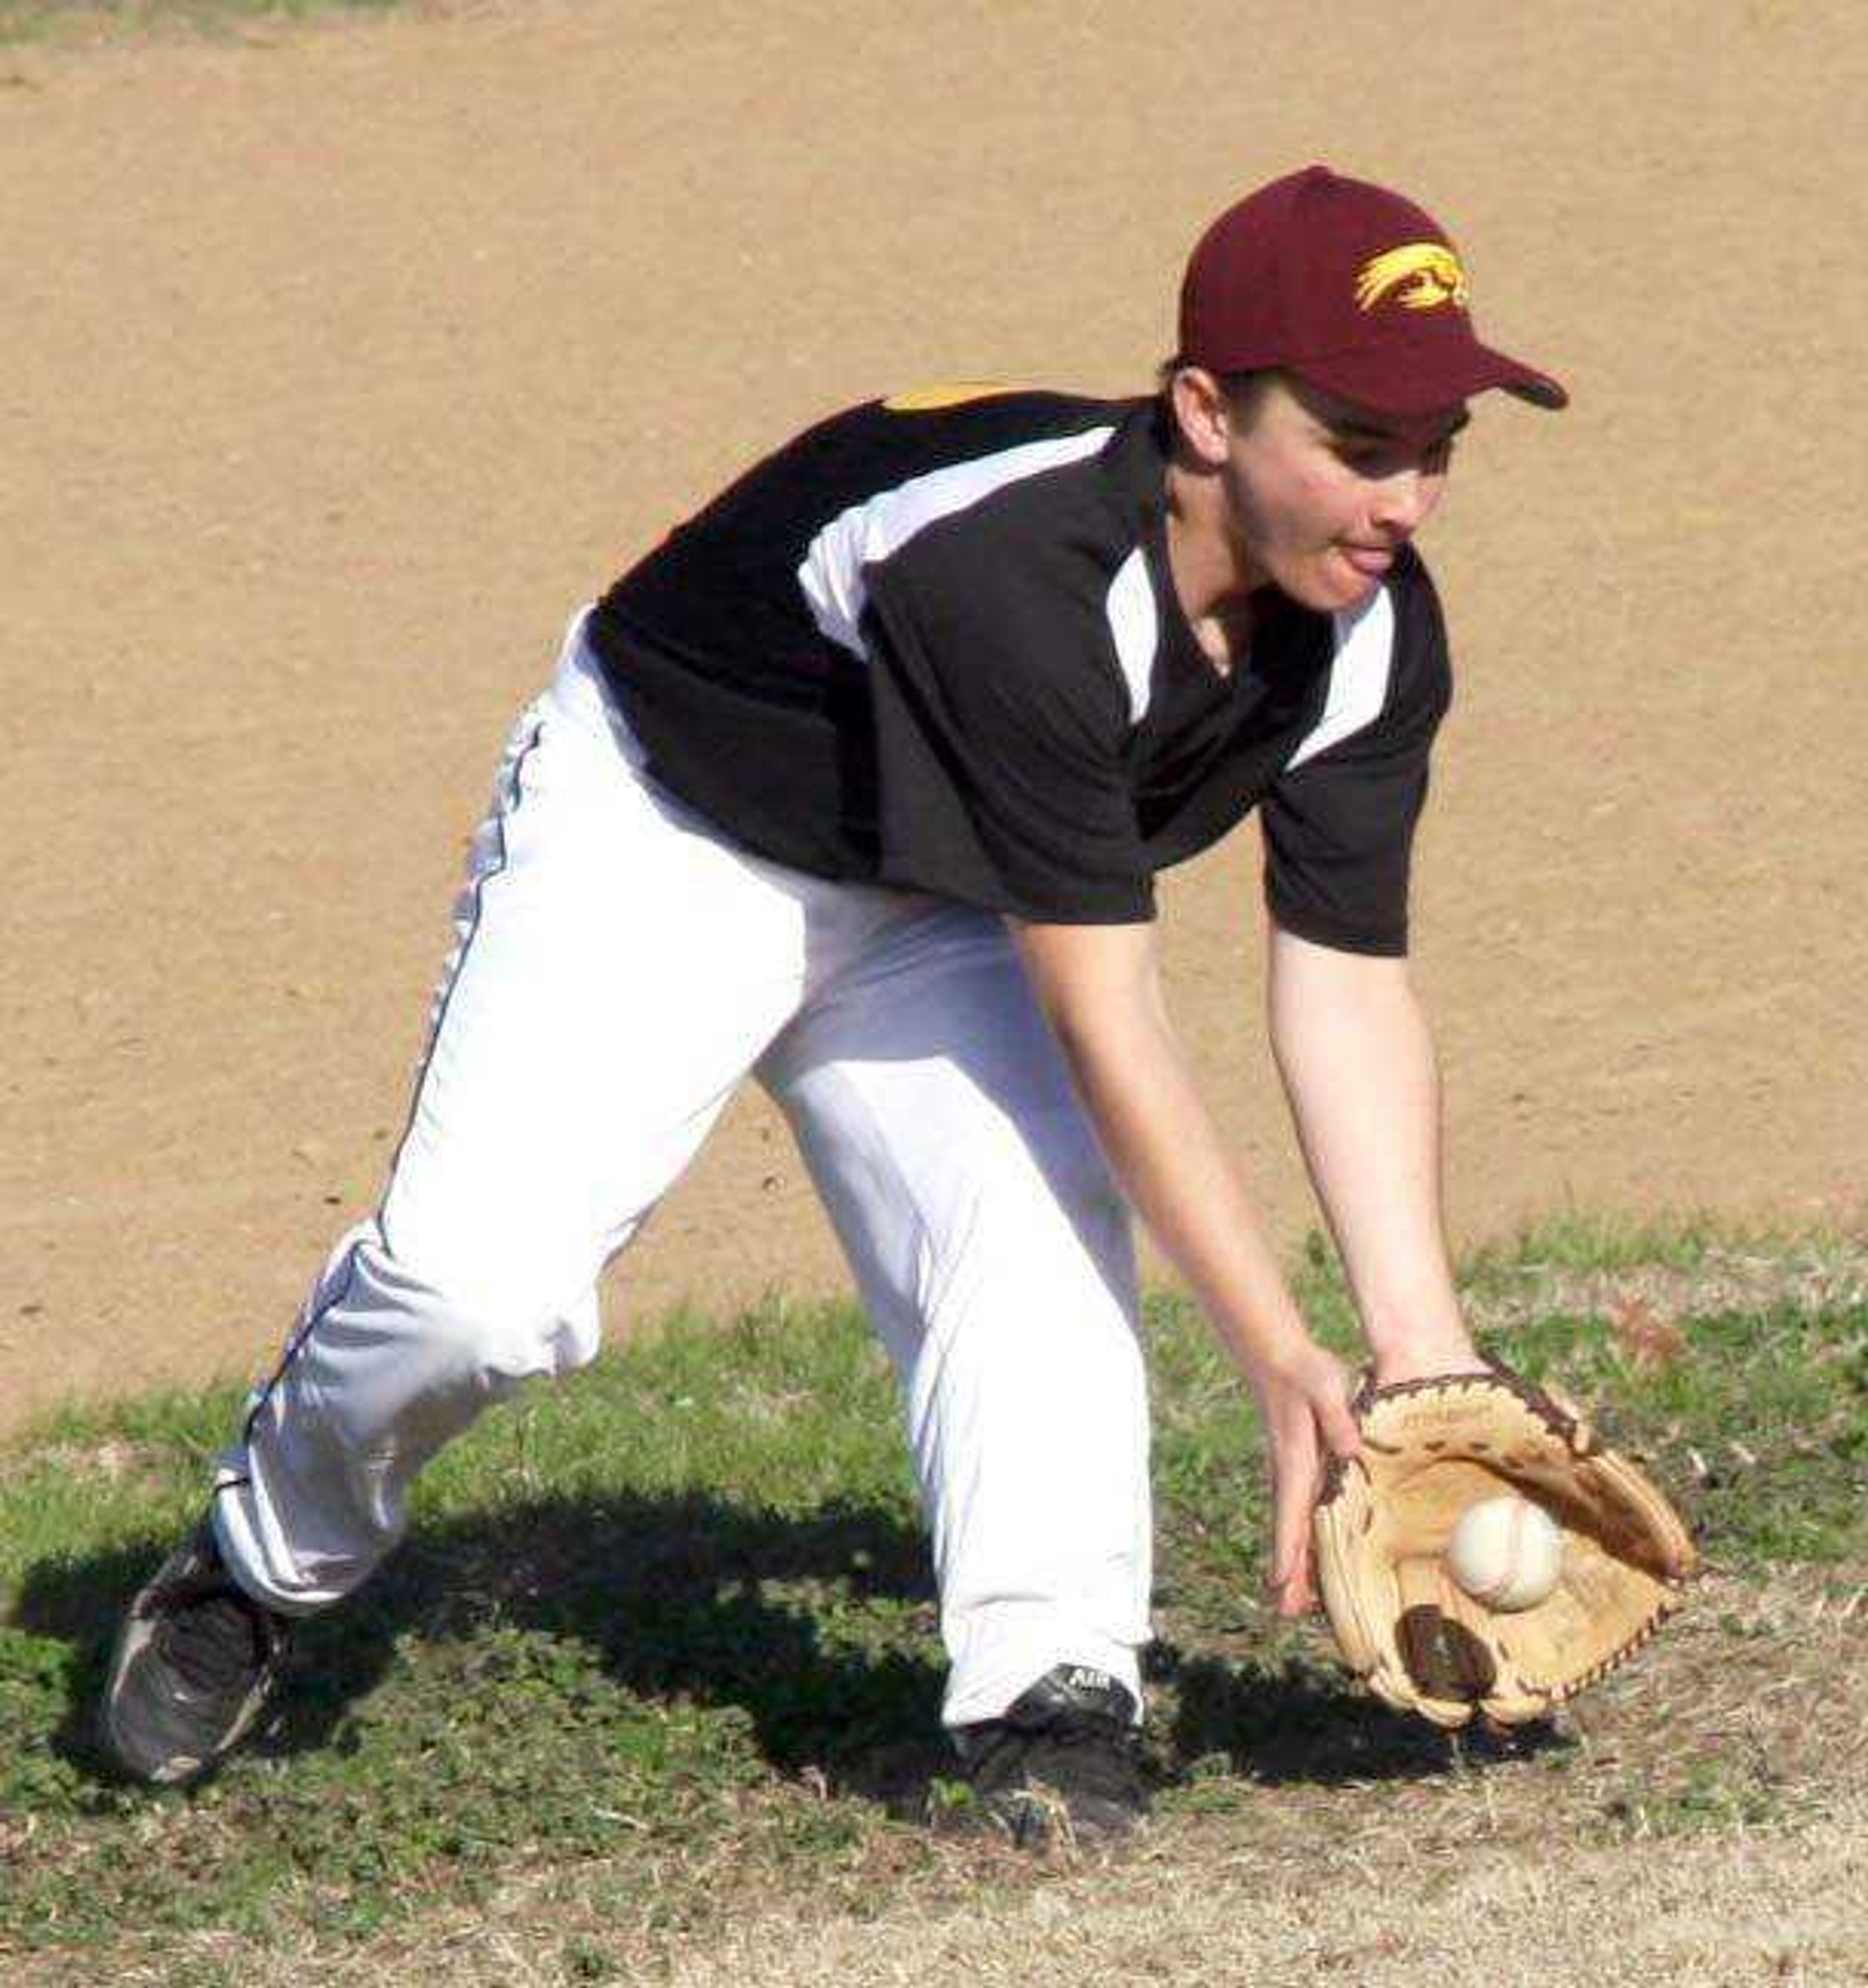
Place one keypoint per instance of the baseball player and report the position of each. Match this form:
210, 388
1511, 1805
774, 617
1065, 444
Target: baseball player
858, 783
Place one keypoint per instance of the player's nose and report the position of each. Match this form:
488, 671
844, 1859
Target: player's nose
1404, 502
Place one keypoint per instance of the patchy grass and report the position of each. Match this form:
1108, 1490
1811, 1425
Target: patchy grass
662, 1649
26, 20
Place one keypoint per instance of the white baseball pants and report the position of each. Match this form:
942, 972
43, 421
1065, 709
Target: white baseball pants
620, 967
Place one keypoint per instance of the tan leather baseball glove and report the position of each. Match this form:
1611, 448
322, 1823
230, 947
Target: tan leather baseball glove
1431, 1448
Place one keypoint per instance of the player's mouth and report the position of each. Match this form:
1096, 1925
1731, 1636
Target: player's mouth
1370, 561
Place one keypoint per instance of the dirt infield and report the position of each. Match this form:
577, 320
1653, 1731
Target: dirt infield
343, 361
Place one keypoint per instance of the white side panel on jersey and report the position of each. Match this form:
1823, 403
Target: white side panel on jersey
1136, 628
831, 575
1358, 674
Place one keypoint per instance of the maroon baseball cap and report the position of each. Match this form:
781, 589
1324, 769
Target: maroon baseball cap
1350, 287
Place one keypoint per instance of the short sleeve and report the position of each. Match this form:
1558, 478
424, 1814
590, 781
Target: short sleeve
1002, 731
1339, 821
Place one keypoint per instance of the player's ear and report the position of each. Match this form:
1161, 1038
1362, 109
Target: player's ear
1203, 413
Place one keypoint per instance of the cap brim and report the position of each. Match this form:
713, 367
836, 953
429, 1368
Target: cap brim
1409, 382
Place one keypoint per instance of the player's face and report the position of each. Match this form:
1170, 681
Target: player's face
1321, 494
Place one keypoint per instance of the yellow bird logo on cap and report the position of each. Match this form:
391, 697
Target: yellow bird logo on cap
1430, 271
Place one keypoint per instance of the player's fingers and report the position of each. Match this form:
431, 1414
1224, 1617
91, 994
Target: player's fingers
1296, 1594
1294, 1491
1297, 1598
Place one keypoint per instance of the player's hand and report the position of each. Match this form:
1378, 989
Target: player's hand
1304, 1398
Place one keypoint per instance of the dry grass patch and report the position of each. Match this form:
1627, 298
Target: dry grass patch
1814, 1276
1778, 1907
1701, 1817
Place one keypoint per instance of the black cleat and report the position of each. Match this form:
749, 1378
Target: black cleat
1061, 1763
195, 1661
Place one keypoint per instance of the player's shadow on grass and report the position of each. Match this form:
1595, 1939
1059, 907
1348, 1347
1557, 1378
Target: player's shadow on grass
686, 1596
820, 1626
1296, 1723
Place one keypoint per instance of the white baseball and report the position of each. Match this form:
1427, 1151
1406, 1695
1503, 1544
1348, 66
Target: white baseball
1506, 1553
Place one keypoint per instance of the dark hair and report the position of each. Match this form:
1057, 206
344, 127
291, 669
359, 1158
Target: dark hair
1241, 390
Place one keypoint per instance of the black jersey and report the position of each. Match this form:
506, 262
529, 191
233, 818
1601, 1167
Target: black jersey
937, 645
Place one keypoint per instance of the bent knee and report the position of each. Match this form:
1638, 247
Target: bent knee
466, 1318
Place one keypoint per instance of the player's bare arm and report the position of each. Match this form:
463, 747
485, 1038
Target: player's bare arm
1100, 988
1353, 1048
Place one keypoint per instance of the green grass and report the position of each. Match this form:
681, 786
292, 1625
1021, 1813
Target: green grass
25, 21
677, 1611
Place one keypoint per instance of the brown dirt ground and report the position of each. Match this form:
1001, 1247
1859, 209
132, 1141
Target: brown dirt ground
342, 360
